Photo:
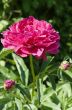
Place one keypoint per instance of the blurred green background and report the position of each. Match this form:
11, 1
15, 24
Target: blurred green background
57, 12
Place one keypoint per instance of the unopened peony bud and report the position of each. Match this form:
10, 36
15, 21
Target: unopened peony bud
8, 84
64, 65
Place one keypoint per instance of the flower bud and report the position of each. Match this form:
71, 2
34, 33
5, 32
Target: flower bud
64, 65
8, 84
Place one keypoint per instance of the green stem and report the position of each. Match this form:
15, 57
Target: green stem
33, 74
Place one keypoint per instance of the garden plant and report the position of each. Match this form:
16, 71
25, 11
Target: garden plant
35, 55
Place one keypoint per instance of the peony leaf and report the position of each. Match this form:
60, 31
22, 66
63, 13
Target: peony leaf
7, 73
4, 53
8, 106
69, 108
3, 24
48, 103
3, 100
24, 91
45, 64
22, 69
39, 89
19, 104
30, 107
69, 73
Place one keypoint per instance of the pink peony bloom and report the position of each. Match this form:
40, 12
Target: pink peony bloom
8, 84
31, 37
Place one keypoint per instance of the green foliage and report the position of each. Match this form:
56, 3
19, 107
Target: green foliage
53, 87
22, 69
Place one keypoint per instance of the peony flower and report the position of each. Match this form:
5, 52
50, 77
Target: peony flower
31, 37
64, 65
8, 84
